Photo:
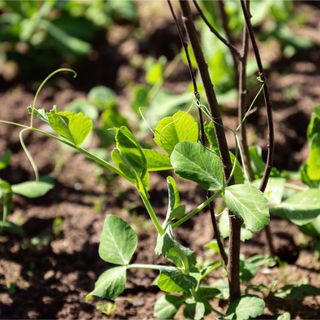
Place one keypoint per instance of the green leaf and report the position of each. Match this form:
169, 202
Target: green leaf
314, 125
178, 128
110, 284
246, 307
249, 204
171, 249
157, 161
102, 97
224, 227
311, 229
195, 162
256, 161
74, 127
194, 310
208, 292
211, 135
175, 210
131, 150
5, 159
154, 73
173, 280
34, 189
39, 113
167, 306
301, 207
297, 292
238, 172
274, 190
118, 241
313, 161
140, 97
124, 166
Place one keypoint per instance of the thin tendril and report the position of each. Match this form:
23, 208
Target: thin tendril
145, 120
250, 107
25, 149
41, 86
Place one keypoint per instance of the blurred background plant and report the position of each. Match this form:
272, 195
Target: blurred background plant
55, 31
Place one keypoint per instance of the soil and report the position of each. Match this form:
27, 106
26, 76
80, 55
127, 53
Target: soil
48, 273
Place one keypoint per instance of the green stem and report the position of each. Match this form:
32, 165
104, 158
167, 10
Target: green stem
196, 210
89, 155
151, 212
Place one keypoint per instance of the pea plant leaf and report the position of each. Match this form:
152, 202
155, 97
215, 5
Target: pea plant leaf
110, 284
301, 207
246, 307
130, 159
167, 306
313, 162
314, 125
118, 241
173, 280
197, 163
156, 161
131, 150
194, 310
182, 257
177, 128
175, 210
224, 227
34, 189
74, 127
274, 190
249, 204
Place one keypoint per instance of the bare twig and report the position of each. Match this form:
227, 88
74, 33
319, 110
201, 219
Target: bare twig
235, 223
202, 137
270, 145
242, 108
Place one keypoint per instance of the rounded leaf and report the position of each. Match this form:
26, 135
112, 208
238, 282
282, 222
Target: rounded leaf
118, 241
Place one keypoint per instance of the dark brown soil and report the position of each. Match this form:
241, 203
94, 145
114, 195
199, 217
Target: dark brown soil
47, 274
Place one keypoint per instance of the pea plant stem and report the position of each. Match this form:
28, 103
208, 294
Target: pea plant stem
235, 223
266, 96
216, 230
197, 210
151, 212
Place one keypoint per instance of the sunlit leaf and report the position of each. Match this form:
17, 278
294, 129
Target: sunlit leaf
118, 241
195, 162
249, 204
178, 128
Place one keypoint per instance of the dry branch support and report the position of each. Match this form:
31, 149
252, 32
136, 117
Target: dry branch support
266, 96
216, 230
235, 223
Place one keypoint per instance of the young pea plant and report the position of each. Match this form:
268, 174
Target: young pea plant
28, 189
183, 281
